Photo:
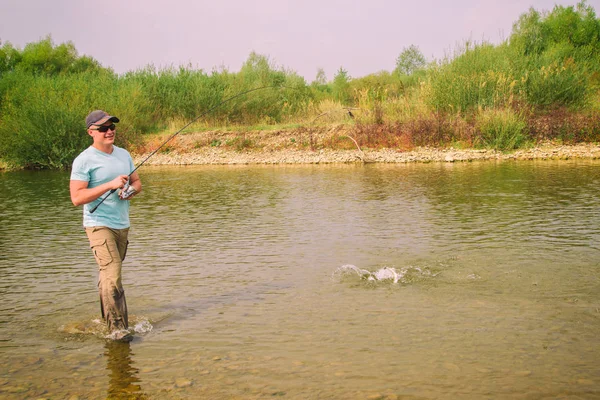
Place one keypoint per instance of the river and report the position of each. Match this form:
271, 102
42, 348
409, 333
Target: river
403, 281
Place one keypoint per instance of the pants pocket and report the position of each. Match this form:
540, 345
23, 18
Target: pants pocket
101, 252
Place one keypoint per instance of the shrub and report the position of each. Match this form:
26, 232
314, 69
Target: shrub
501, 129
556, 84
482, 76
43, 118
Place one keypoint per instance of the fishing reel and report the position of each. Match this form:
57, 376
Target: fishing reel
126, 192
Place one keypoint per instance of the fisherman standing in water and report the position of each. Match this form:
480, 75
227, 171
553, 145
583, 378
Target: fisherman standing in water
100, 168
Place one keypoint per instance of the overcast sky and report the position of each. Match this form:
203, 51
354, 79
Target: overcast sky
362, 36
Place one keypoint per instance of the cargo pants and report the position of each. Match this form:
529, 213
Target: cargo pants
110, 247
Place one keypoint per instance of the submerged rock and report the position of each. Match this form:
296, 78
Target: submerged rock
183, 382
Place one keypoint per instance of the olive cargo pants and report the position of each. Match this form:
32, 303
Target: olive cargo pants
110, 247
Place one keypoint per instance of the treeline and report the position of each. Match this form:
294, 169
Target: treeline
542, 83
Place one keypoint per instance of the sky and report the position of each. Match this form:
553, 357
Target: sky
361, 36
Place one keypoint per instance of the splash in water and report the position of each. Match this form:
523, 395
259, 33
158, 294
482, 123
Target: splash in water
97, 327
142, 326
382, 274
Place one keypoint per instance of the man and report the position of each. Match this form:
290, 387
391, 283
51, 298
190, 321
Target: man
100, 168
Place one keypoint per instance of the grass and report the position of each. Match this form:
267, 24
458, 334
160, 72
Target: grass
501, 129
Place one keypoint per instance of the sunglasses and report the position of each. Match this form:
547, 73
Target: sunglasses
105, 128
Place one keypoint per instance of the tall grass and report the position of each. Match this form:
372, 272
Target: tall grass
501, 129
43, 118
560, 83
482, 76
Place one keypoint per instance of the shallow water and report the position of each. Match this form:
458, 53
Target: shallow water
246, 282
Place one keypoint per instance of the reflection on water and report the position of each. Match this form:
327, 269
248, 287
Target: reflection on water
123, 381
438, 281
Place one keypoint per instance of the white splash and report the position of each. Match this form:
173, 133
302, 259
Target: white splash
143, 326
388, 273
383, 274
349, 268
117, 334
138, 325
97, 327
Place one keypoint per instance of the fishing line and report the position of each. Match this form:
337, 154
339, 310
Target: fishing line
185, 126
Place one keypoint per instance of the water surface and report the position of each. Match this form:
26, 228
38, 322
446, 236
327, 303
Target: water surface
242, 283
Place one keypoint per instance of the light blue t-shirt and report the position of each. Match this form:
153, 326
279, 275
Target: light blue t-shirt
97, 167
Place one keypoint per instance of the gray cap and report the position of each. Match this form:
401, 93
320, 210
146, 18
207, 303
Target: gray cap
99, 117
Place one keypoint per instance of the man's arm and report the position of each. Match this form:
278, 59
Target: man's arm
81, 194
135, 181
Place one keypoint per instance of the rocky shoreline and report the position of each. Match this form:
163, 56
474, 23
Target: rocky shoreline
208, 155
303, 147
425, 155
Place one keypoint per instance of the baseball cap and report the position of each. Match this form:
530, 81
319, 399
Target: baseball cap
99, 117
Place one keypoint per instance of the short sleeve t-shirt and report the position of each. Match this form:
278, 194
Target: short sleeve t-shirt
97, 167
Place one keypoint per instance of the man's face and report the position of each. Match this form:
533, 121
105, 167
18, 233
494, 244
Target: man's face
103, 134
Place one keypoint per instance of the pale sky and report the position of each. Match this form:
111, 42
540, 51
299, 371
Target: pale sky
361, 36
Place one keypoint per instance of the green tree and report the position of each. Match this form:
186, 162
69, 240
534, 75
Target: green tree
575, 25
259, 69
9, 57
536, 32
86, 64
410, 60
45, 58
529, 33
321, 78
320, 89
341, 86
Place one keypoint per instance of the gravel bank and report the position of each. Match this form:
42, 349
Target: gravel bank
215, 156
292, 147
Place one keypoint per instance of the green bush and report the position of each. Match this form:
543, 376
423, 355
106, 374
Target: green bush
43, 124
556, 84
501, 129
43, 121
186, 94
482, 76
176, 93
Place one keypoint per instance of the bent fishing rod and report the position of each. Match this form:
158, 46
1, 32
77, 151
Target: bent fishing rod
185, 126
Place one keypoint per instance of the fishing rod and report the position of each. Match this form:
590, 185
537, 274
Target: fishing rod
185, 126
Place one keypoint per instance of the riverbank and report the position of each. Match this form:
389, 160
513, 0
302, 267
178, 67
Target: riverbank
300, 147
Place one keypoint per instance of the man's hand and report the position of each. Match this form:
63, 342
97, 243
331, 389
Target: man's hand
81, 194
119, 182
127, 192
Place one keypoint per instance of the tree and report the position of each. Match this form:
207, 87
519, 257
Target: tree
410, 60
535, 32
9, 57
44, 58
529, 33
577, 26
321, 78
341, 86
258, 68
